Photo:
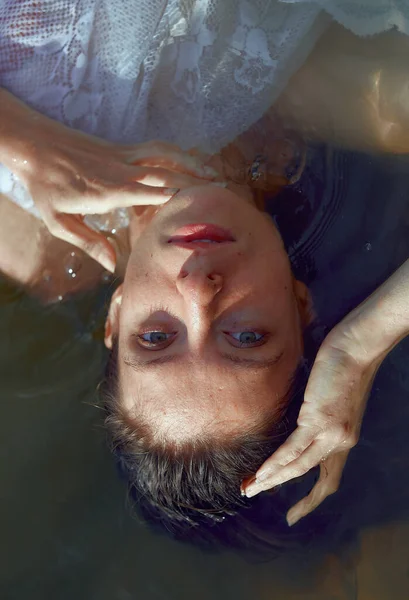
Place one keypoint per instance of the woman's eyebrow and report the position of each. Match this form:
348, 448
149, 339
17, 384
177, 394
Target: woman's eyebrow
257, 363
142, 364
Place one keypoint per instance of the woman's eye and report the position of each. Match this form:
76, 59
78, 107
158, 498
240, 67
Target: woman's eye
248, 338
152, 339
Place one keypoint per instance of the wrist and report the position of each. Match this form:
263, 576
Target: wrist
378, 324
18, 123
358, 337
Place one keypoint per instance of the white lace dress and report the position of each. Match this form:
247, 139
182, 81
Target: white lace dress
194, 72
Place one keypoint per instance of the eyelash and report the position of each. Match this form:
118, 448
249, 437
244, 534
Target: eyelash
139, 336
262, 340
161, 345
158, 346
162, 308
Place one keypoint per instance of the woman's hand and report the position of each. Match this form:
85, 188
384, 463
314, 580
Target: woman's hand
330, 418
329, 422
70, 174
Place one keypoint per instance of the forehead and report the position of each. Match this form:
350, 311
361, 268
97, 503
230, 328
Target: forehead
186, 400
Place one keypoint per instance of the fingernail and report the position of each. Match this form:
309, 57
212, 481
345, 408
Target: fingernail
292, 520
107, 263
260, 485
253, 490
170, 191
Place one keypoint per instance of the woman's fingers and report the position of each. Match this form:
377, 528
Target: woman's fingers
165, 178
131, 194
150, 187
297, 467
162, 154
327, 484
73, 230
290, 450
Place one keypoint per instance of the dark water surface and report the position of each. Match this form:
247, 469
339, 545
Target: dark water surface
66, 532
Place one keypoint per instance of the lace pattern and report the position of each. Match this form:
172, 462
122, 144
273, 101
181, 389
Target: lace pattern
193, 72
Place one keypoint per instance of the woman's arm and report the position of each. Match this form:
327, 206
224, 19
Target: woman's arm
16, 122
70, 174
330, 418
352, 91
379, 323
39, 262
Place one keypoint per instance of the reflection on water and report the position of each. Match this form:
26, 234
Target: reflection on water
66, 532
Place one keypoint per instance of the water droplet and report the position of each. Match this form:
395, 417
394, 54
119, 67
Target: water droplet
368, 247
47, 276
106, 277
72, 264
113, 231
59, 298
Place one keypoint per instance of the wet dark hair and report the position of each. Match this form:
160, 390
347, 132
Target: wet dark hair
192, 490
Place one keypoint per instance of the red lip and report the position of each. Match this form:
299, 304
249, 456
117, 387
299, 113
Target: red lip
191, 234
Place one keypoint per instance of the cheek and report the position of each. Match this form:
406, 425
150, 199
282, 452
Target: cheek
142, 269
272, 278
292, 329
280, 306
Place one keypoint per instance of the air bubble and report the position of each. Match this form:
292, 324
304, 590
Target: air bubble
72, 265
47, 276
106, 277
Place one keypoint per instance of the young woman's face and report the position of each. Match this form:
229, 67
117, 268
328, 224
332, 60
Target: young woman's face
209, 334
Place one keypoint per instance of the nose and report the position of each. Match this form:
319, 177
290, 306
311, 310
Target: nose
199, 285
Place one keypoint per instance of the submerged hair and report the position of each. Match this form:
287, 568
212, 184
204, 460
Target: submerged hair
191, 489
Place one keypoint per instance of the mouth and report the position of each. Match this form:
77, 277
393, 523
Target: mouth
201, 235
